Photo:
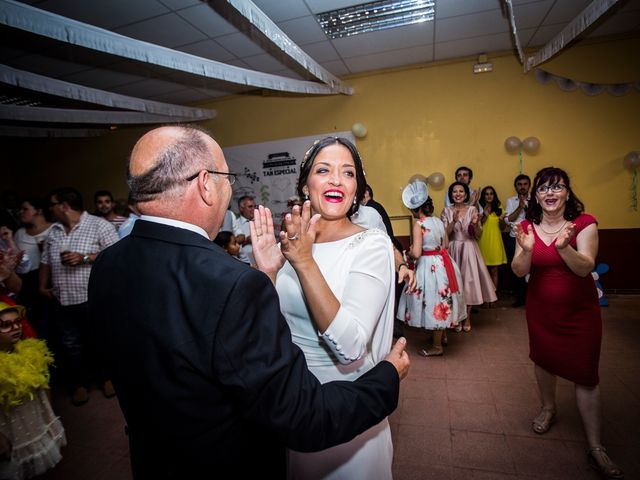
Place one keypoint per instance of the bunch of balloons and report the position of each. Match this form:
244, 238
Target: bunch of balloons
530, 145
435, 180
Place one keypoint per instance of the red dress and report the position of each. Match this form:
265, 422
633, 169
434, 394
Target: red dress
563, 314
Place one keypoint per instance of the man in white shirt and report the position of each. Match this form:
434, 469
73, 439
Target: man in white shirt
247, 205
514, 213
228, 222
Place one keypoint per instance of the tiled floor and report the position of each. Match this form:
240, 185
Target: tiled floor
465, 415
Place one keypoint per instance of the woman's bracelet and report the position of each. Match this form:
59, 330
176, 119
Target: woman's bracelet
402, 265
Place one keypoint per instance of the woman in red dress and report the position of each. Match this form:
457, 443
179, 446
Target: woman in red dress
557, 245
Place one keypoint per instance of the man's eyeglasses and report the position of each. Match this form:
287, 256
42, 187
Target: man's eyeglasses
230, 176
555, 188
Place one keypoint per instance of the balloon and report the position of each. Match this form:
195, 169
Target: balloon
531, 145
359, 130
632, 160
512, 144
436, 180
417, 177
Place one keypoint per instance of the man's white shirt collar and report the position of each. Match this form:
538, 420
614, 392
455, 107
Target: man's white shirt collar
176, 223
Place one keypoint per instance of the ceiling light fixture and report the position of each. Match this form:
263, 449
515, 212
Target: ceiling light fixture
374, 16
483, 65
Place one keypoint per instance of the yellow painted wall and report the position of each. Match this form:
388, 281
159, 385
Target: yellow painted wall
421, 120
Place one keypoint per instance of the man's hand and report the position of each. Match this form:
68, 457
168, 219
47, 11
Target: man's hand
399, 358
522, 201
72, 259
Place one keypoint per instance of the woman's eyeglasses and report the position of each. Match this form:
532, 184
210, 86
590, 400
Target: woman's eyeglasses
555, 188
8, 325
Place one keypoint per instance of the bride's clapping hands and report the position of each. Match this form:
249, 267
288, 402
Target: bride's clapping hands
269, 258
299, 234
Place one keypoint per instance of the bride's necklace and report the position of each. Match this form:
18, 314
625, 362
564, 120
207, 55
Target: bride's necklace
552, 233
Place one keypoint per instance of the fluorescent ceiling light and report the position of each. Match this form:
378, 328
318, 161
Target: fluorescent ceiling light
373, 16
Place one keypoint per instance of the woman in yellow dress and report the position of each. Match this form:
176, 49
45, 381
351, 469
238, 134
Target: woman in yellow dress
490, 241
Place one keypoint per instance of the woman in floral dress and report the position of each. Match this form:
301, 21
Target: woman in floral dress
438, 302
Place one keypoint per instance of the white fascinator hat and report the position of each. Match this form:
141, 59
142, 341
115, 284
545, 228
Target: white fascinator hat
415, 194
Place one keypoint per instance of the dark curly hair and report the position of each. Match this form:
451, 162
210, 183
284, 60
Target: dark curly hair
495, 205
466, 191
312, 153
573, 206
223, 238
426, 208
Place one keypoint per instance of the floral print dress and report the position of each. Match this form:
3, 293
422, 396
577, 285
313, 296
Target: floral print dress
433, 305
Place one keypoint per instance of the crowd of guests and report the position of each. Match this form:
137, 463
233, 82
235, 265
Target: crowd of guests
311, 362
47, 248
554, 243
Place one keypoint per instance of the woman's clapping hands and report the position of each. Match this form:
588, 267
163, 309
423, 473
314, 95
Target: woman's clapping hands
524, 237
566, 234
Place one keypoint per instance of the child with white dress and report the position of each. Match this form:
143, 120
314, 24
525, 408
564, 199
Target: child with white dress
31, 436
438, 302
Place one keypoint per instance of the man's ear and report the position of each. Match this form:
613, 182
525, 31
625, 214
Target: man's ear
205, 191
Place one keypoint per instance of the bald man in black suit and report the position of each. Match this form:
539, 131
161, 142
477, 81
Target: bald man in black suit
201, 359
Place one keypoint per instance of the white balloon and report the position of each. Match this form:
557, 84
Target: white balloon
531, 144
359, 130
512, 144
417, 177
436, 180
632, 160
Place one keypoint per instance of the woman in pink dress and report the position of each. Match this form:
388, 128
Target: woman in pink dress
463, 227
557, 245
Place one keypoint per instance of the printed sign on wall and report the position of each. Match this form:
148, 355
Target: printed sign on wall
269, 170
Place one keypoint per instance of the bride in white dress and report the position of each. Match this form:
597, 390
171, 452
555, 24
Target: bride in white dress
335, 281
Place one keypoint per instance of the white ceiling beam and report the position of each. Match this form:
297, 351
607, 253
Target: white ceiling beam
60, 88
249, 19
25, 17
43, 132
69, 115
588, 16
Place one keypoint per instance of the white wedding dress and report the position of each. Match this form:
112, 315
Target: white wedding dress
360, 272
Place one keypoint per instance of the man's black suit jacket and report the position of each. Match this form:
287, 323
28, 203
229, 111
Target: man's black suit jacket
203, 364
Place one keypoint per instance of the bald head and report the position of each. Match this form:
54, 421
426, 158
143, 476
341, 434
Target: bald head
145, 152
164, 157
170, 175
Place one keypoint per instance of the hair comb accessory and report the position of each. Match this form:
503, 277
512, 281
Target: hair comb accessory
308, 153
415, 194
